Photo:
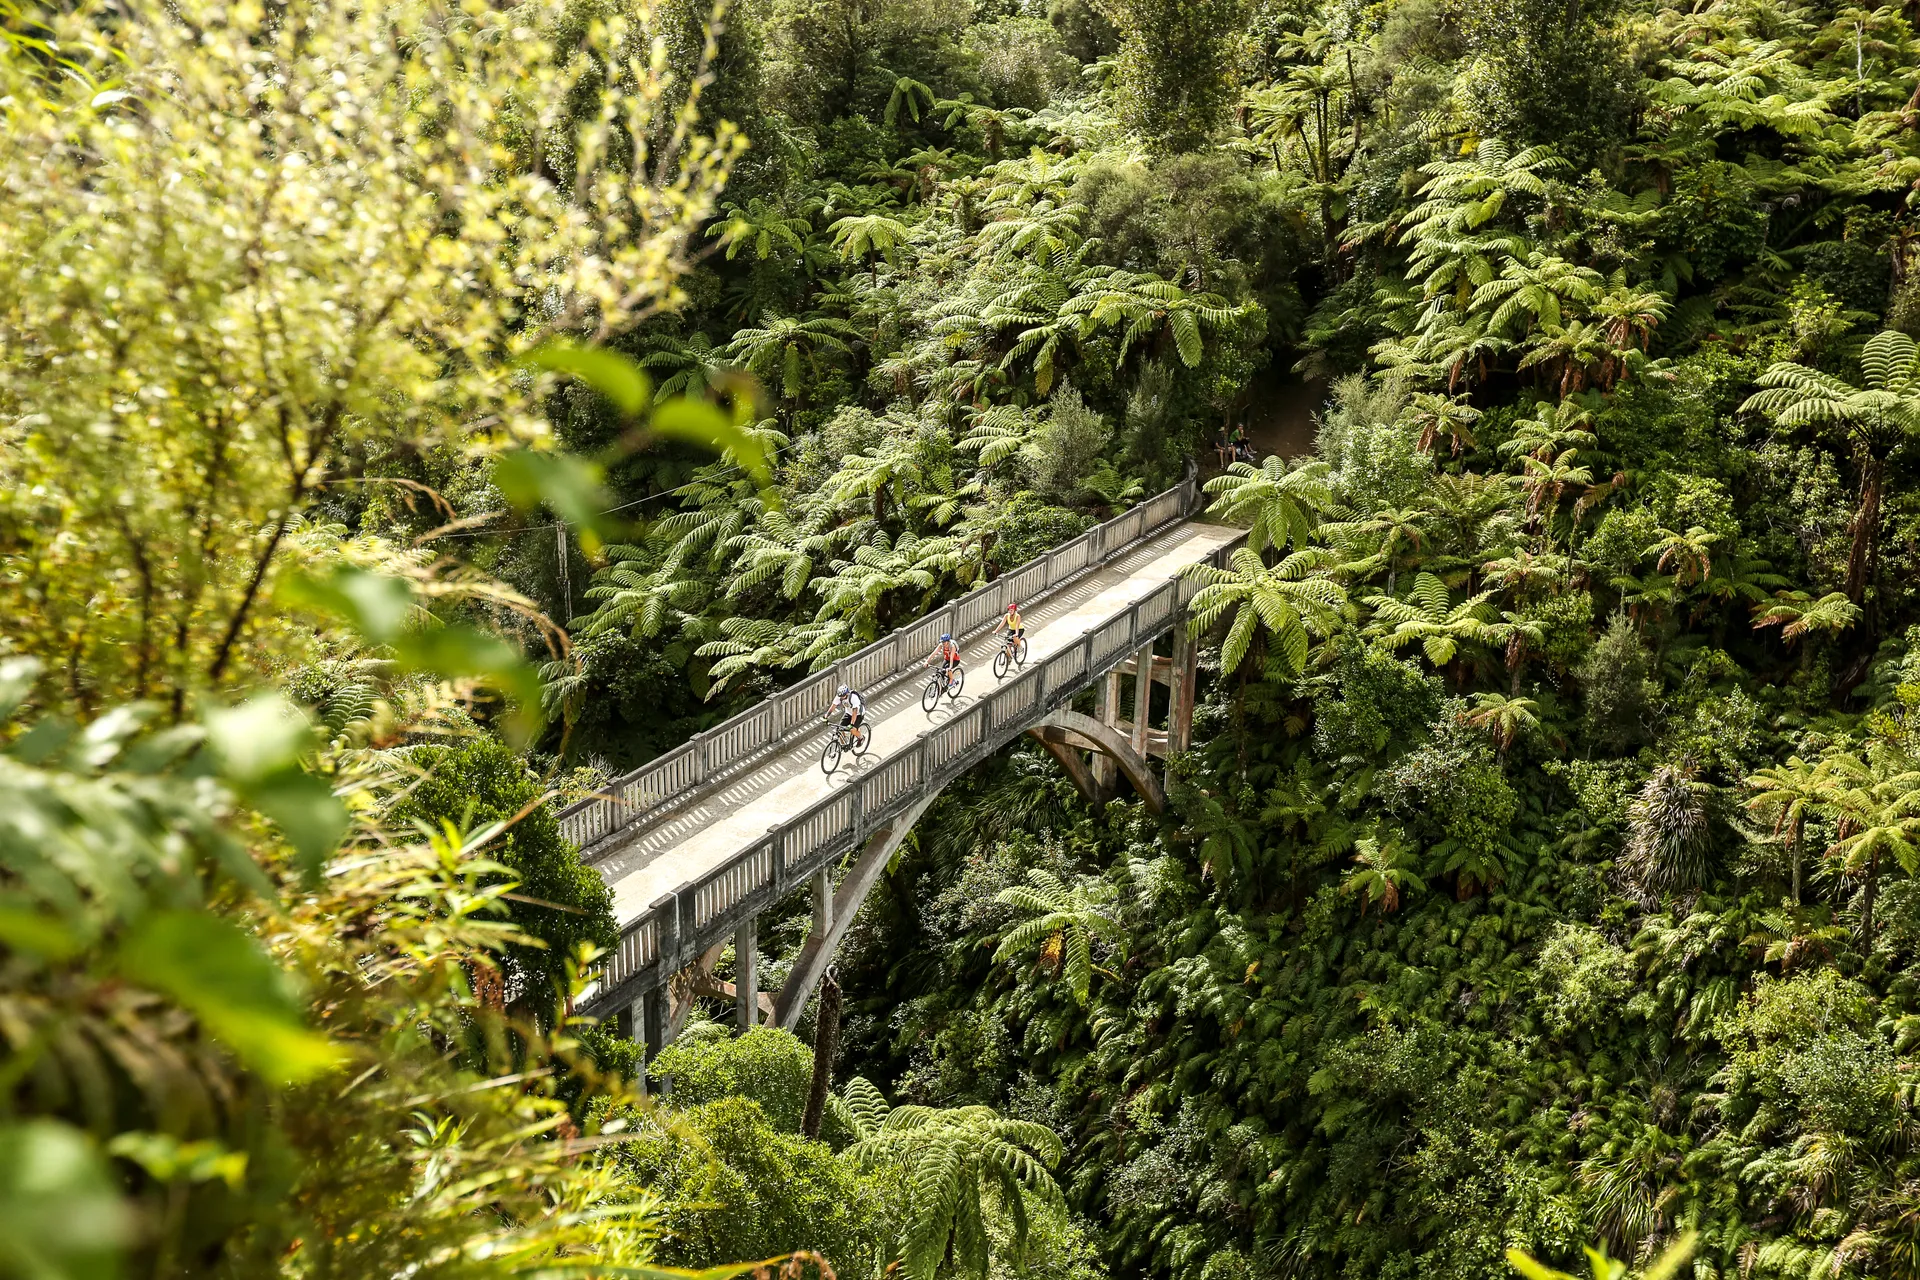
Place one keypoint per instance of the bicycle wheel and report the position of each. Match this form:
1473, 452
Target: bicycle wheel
930, 696
830, 757
1000, 661
1020, 653
953, 685
862, 739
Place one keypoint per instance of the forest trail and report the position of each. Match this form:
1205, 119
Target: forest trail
650, 860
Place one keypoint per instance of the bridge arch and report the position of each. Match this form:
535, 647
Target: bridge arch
1065, 733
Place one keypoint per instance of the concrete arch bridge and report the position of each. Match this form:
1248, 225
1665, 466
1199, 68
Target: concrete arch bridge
700, 842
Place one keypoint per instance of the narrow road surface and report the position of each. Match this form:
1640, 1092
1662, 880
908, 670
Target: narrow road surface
656, 858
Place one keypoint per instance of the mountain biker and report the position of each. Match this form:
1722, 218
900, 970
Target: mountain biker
1015, 625
949, 655
851, 705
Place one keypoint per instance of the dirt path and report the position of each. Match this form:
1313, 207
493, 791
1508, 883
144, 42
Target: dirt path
1281, 418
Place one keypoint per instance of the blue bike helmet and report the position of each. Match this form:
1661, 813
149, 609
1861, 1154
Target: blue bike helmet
945, 637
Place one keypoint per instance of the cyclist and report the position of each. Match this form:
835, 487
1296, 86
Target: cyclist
851, 705
1016, 627
949, 655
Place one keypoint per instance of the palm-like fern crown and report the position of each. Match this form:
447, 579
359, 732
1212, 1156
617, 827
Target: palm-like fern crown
1795, 395
1294, 602
1428, 616
953, 1158
1281, 506
1064, 919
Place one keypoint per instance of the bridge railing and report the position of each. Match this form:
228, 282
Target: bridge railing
692, 768
667, 937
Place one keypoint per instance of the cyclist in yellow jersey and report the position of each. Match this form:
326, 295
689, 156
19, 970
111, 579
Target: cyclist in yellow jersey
1015, 625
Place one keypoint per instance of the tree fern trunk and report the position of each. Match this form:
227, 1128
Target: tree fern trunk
1866, 911
1798, 830
1866, 526
826, 1041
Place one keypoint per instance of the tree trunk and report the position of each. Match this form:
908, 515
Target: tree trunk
826, 1040
1798, 831
1866, 526
1866, 912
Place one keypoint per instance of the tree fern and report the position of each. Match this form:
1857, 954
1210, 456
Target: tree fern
1293, 602
960, 1164
1064, 920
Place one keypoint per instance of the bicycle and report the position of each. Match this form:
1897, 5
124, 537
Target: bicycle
855, 738
1013, 652
940, 682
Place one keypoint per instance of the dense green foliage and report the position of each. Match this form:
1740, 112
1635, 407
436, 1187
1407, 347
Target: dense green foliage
1545, 869
943, 1191
250, 1020
1543, 873
471, 787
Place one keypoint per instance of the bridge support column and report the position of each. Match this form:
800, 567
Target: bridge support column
1182, 689
653, 1013
1106, 709
822, 902
1142, 697
746, 975
817, 952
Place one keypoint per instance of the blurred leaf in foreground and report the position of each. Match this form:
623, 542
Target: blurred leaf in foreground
61, 1216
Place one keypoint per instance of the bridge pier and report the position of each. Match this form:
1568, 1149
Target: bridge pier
746, 974
1179, 673
822, 902
834, 912
1182, 689
1118, 745
1106, 709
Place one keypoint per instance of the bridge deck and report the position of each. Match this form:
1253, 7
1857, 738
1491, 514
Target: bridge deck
655, 858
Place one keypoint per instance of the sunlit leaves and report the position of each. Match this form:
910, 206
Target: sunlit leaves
287, 278
383, 611
210, 967
1602, 1267
573, 486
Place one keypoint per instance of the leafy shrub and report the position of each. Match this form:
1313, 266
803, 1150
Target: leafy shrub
1023, 61
1453, 794
1582, 978
1030, 526
737, 1185
1621, 695
767, 1066
480, 782
1803, 1055
1375, 452
1065, 445
1373, 705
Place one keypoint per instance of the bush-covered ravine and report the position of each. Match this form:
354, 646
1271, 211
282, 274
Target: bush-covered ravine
414, 414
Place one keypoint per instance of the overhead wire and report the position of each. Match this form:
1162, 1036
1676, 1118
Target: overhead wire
730, 472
